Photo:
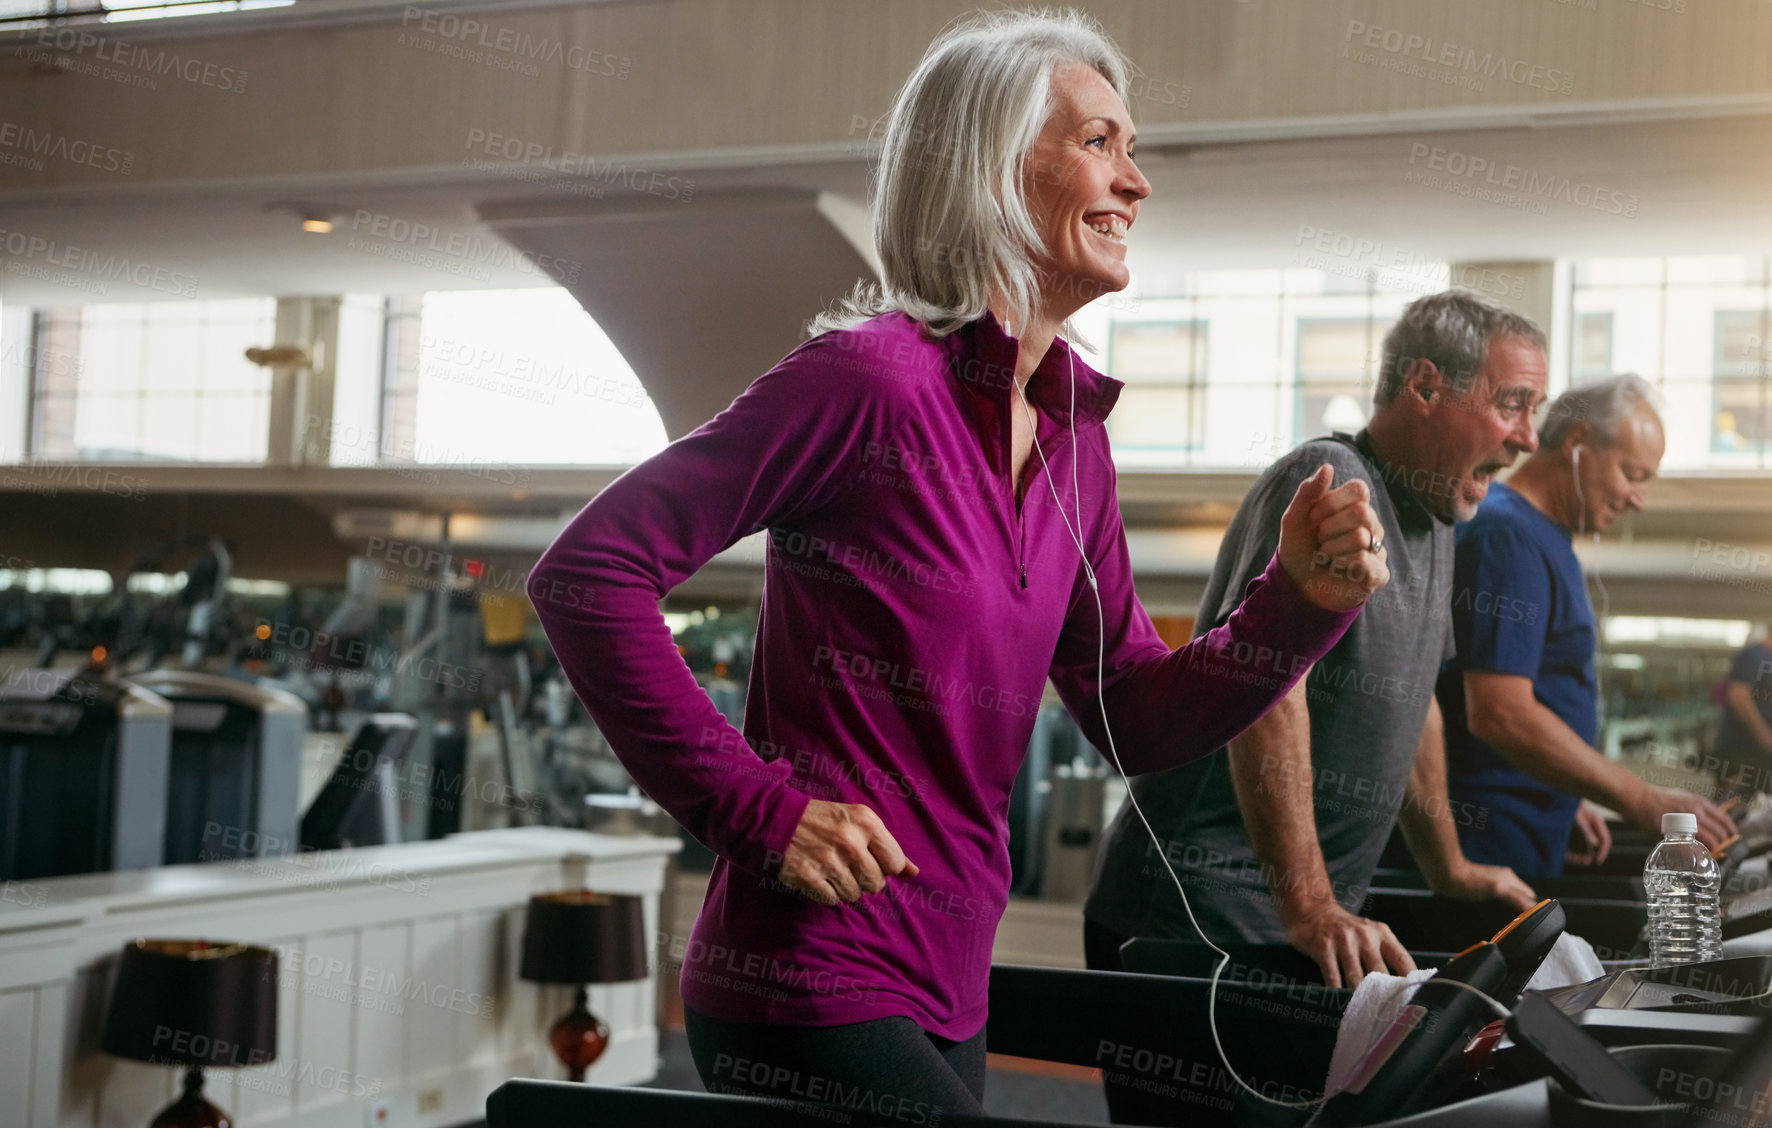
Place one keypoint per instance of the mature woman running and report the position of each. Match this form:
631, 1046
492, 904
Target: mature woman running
934, 475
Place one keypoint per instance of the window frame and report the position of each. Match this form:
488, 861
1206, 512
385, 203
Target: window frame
1299, 383
1193, 384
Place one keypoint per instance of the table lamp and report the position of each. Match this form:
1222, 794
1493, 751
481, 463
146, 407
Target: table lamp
194, 1003
581, 937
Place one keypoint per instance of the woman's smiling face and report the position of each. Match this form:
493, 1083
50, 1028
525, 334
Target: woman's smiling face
1083, 190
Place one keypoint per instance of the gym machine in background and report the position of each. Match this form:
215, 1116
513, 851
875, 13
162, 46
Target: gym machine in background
162, 767
235, 765
1057, 809
84, 769
166, 720
359, 804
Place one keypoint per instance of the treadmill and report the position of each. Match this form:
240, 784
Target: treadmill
1609, 912
83, 774
1426, 1072
359, 804
235, 776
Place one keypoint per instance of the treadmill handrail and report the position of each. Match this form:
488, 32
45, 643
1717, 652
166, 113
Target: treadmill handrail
265, 699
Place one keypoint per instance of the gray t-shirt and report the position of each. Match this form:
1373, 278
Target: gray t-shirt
1367, 698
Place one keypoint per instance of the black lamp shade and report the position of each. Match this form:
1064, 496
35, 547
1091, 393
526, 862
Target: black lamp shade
583, 937
194, 1002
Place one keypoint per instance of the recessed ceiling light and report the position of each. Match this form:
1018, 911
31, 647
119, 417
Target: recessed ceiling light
315, 218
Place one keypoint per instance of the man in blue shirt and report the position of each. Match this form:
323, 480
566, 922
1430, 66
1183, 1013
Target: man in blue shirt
1520, 700
1744, 740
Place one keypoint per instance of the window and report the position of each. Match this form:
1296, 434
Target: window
159, 381
401, 361
1335, 359
1163, 404
1739, 418
1592, 342
34, 13
460, 379
1696, 328
509, 376
116, 10
1235, 367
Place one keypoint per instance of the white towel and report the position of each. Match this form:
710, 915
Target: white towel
1375, 1005
1380, 998
1572, 961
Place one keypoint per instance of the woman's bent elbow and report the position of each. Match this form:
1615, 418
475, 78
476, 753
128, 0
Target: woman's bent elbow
557, 592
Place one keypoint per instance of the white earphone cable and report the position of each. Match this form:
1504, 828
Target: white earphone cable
1224, 957
1605, 596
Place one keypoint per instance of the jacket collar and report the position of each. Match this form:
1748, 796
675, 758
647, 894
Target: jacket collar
982, 359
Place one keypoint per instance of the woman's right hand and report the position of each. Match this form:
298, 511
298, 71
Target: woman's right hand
1331, 542
841, 851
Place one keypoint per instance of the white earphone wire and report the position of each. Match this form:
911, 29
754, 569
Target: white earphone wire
1224, 957
1605, 596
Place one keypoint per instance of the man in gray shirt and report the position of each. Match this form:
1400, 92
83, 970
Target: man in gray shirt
1276, 841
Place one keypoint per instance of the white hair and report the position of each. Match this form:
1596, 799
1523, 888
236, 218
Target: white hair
951, 221
1603, 405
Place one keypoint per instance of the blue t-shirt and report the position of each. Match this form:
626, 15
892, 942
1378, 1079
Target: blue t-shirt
1735, 741
1519, 606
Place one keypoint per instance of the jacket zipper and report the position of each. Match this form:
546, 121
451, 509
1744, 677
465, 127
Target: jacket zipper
1021, 528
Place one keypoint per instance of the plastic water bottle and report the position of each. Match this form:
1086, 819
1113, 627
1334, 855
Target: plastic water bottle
1685, 924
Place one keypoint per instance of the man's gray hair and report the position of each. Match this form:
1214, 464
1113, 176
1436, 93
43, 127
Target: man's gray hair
1452, 328
951, 218
1604, 404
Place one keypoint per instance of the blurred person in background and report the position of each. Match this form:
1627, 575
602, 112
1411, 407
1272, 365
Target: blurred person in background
1744, 736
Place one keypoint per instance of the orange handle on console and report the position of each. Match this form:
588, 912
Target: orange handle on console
1514, 923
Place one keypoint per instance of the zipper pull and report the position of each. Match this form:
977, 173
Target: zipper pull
1024, 575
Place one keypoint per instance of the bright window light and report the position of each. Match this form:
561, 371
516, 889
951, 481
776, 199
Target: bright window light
154, 382
166, 583
1695, 632
67, 581
154, 583
121, 10
526, 377
274, 588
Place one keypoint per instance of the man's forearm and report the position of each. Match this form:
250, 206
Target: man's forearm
1426, 817
1539, 743
1270, 766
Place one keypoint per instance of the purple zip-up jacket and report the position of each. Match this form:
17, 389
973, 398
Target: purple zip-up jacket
912, 613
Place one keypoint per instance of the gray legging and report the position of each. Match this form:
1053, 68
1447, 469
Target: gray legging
886, 1065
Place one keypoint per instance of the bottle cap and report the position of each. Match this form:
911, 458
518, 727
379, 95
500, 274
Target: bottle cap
1679, 822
